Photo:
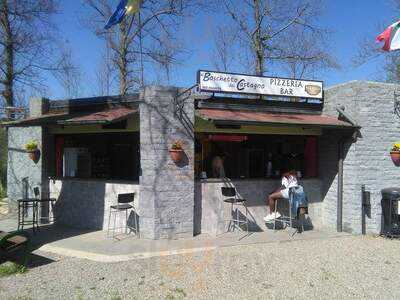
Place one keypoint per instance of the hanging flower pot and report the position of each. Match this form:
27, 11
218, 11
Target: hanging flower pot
33, 151
34, 155
176, 155
395, 154
395, 158
176, 151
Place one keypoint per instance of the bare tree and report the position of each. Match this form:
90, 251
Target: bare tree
306, 53
104, 74
68, 74
369, 50
224, 40
151, 40
28, 46
280, 32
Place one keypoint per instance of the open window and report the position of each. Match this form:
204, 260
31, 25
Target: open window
109, 156
257, 156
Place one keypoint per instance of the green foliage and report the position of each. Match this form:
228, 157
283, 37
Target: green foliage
176, 293
10, 268
3, 193
177, 145
31, 146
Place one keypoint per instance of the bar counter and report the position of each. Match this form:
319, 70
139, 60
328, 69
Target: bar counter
211, 210
85, 203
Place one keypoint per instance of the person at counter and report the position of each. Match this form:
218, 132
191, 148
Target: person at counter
289, 180
218, 170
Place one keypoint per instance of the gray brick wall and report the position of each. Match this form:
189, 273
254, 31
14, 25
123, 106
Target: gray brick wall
19, 164
86, 203
367, 160
166, 189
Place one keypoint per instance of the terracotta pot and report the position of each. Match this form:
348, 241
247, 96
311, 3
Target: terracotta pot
34, 155
395, 158
176, 155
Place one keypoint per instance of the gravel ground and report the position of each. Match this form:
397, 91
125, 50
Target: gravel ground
347, 267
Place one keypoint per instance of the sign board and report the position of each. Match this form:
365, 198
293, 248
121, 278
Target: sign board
214, 82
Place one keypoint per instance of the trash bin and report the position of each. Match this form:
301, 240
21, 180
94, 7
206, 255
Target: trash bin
390, 212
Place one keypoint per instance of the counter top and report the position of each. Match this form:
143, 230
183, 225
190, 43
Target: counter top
100, 180
222, 180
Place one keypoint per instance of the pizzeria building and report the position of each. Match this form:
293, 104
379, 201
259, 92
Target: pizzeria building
93, 149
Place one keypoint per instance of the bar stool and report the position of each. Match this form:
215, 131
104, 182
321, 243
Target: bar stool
234, 221
124, 204
287, 220
41, 202
24, 206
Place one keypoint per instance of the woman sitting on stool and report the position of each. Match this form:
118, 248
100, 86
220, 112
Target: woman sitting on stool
289, 180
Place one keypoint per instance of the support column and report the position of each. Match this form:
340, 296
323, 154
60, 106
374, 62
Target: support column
166, 189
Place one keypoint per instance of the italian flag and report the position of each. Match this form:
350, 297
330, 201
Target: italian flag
391, 37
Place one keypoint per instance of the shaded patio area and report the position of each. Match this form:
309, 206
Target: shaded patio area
95, 246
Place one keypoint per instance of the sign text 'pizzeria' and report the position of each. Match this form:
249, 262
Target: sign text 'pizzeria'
236, 83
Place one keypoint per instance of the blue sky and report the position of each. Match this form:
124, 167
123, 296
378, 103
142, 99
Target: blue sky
350, 21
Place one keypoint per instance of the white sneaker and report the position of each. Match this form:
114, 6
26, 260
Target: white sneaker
272, 217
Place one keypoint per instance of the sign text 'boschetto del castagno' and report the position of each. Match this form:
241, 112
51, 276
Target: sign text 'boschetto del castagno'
235, 83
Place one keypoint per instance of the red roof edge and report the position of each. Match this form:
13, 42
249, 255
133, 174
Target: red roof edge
252, 117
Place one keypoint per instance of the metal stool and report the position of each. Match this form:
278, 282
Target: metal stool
288, 220
234, 222
41, 202
24, 205
125, 203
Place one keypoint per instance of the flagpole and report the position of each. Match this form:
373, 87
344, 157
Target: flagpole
141, 51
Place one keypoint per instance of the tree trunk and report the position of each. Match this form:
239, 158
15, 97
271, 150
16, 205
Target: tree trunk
257, 41
123, 61
8, 81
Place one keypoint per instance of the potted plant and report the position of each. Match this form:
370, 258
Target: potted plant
176, 151
33, 151
395, 154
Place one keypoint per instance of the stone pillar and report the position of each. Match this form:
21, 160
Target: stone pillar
38, 107
166, 189
19, 165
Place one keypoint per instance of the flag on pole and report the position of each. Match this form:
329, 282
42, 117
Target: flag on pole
391, 37
124, 7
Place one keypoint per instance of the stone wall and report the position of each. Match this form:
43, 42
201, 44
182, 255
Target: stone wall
367, 161
211, 211
167, 189
85, 204
19, 165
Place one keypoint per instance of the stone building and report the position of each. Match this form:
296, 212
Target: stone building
93, 149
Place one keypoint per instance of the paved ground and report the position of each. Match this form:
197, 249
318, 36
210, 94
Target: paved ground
95, 245
344, 267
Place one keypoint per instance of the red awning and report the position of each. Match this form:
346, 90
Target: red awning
258, 117
46, 119
111, 115
102, 117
